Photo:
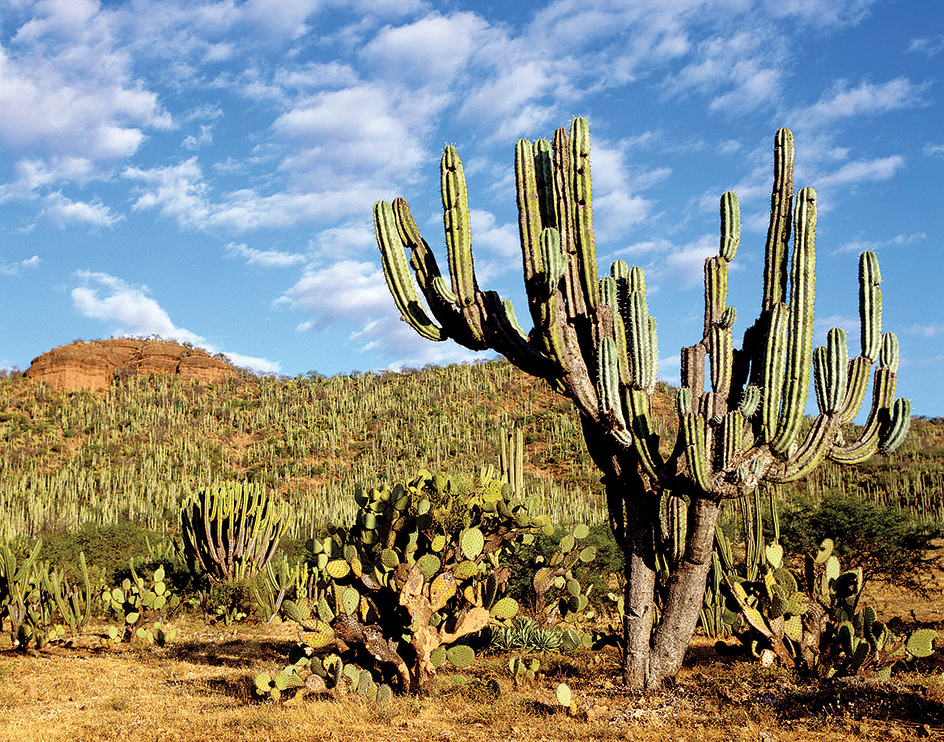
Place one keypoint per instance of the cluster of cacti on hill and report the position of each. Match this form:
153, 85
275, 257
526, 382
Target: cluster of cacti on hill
594, 341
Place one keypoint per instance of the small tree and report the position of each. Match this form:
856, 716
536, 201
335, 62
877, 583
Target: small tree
885, 541
594, 341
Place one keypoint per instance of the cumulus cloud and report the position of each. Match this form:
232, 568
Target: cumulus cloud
130, 308
431, 51
346, 290
131, 311
64, 212
67, 87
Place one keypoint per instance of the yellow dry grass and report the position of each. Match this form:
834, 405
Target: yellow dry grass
201, 688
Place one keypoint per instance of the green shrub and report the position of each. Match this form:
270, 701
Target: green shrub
885, 541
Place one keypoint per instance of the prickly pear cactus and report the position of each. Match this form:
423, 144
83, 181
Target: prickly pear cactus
142, 605
559, 598
419, 571
815, 624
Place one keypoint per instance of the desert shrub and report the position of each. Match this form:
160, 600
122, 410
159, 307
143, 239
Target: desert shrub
109, 547
885, 541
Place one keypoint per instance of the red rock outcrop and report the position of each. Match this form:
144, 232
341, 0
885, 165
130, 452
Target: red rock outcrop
95, 364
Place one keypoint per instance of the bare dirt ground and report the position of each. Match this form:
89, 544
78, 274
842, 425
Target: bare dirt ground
201, 687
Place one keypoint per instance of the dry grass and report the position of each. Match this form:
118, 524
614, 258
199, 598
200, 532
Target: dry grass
201, 688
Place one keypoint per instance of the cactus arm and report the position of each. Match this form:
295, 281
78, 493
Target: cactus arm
830, 372
870, 305
456, 221
730, 226
774, 360
716, 291
583, 214
778, 233
858, 381
898, 427
611, 405
640, 329
647, 442
397, 274
693, 429
530, 224
544, 177
883, 395
732, 434
799, 352
809, 454
721, 358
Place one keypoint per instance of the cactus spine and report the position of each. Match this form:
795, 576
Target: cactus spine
594, 342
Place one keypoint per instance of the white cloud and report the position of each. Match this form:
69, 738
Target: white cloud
203, 139
931, 45
860, 246
353, 292
345, 241
132, 312
866, 99
64, 212
856, 172
67, 87
741, 72
364, 134
259, 365
925, 331
819, 14
178, 191
15, 269
263, 258
677, 268
429, 52
933, 150
346, 290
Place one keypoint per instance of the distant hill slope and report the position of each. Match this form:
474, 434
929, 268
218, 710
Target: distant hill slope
94, 365
136, 448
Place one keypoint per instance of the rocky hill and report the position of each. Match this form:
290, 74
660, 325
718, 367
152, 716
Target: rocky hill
95, 365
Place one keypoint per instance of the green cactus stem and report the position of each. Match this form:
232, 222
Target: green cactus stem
232, 530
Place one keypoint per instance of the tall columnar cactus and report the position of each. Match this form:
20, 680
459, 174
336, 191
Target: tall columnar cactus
594, 341
232, 530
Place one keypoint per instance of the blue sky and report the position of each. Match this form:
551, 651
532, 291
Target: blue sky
205, 171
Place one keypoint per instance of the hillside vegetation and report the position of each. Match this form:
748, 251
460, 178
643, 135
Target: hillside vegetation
135, 450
